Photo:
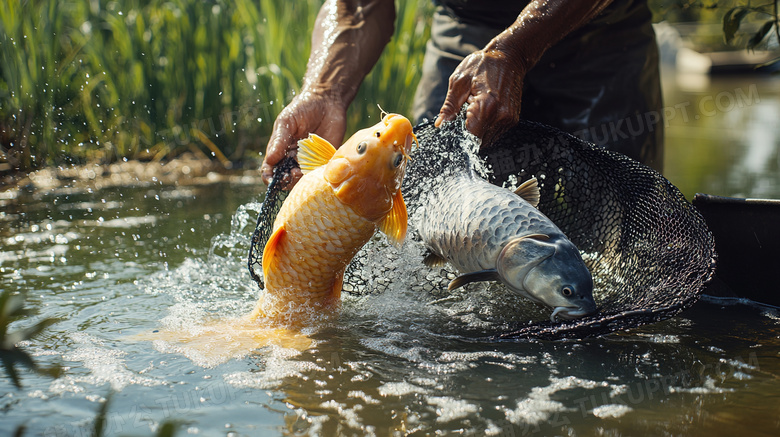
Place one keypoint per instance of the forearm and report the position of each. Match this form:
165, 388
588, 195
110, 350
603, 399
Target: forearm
542, 24
348, 37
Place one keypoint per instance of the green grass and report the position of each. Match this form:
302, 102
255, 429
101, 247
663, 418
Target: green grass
35, 72
11, 355
393, 81
86, 80
103, 80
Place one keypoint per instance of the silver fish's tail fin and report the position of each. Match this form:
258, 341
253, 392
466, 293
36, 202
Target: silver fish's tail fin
272, 203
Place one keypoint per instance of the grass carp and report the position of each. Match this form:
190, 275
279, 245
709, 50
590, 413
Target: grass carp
489, 233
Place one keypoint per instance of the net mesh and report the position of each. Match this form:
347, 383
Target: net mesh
648, 249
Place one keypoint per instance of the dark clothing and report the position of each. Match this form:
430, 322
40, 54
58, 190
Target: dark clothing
601, 82
498, 14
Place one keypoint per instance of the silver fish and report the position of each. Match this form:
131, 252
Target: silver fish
489, 233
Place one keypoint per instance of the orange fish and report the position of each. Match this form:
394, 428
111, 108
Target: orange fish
333, 210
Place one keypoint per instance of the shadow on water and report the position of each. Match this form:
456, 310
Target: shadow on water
117, 262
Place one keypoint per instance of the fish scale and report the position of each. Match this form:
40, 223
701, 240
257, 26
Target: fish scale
303, 268
468, 221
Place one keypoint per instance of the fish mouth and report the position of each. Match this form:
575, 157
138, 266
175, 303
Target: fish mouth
569, 313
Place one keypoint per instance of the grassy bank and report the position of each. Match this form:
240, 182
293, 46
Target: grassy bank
98, 80
104, 80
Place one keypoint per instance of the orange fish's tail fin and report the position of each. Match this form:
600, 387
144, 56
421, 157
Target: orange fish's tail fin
214, 343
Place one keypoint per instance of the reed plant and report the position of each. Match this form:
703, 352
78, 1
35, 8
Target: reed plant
177, 74
393, 81
104, 80
36, 75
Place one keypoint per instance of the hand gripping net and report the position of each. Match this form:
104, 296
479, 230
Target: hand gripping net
649, 250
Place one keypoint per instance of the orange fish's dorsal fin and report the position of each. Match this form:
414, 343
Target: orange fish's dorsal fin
314, 152
269, 252
395, 222
529, 191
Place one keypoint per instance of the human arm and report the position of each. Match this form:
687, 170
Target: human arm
491, 80
348, 37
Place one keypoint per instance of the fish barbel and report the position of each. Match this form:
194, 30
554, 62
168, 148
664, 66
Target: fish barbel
333, 210
489, 233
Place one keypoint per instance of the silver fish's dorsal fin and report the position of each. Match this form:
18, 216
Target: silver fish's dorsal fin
433, 259
529, 191
314, 152
480, 276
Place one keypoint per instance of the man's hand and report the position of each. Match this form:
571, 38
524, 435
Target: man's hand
307, 113
492, 85
347, 39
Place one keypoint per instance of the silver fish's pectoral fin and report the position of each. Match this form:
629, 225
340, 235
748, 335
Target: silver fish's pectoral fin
529, 191
480, 276
433, 259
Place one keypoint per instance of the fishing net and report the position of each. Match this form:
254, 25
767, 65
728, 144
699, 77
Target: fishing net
648, 249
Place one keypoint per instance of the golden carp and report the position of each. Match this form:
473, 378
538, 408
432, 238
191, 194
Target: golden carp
344, 196
335, 208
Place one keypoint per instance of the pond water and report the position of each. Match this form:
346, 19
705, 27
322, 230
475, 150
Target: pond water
118, 263
723, 135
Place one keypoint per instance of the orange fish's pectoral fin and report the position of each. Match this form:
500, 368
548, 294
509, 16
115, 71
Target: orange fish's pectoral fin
314, 152
271, 247
395, 222
338, 284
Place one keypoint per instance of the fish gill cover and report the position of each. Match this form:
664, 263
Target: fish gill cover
648, 249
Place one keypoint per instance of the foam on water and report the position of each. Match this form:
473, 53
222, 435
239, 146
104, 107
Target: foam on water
367, 399
611, 411
400, 389
105, 365
709, 386
278, 365
539, 406
449, 409
508, 361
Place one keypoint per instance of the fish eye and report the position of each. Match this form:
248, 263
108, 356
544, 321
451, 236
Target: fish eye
399, 158
361, 147
566, 291
378, 134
